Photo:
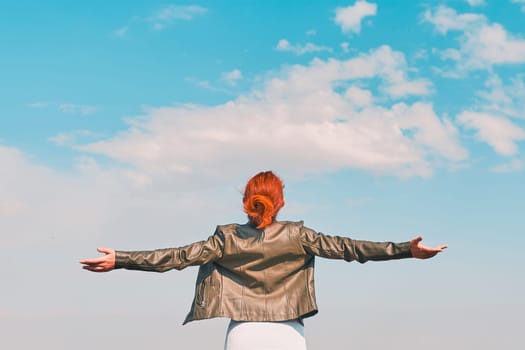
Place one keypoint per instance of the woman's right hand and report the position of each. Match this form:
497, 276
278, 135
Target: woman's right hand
102, 264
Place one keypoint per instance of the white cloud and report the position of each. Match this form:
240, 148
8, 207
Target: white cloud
446, 19
359, 97
404, 88
439, 135
298, 122
284, 45
232, 77
349, 18
476, 2
481, 44
500, 133
392, 66
218, 139
172, 13
492, 44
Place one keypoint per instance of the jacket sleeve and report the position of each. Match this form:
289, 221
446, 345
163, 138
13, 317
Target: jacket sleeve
335, 247
161, 260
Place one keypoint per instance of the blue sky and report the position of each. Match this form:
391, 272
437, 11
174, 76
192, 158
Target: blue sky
135, 126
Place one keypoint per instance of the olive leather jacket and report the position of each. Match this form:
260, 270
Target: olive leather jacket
250, 274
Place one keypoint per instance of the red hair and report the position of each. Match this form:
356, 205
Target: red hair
263, 198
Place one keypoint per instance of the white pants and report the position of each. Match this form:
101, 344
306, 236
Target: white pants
287, 335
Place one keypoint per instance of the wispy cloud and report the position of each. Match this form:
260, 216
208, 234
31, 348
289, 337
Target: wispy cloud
162, 18
232, 77
504, 98
311, 32
421, 54
509, 167
476, 2
206, 84
169, 14
40, 104
71, 138
349, 18
121, 32
77, 109
70, 108
285, 46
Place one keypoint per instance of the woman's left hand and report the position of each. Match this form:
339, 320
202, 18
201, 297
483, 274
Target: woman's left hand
101, 264
420, 251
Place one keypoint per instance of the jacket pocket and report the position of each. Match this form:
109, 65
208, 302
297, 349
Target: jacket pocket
199, 294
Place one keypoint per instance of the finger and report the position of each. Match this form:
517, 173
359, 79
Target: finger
437, 250
104, 250
92, 265
95, 268
417, 239
88, 261
93, 261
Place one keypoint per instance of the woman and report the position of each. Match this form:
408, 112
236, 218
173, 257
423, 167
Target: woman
260, 274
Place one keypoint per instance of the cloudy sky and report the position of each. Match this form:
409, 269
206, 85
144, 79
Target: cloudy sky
135, 125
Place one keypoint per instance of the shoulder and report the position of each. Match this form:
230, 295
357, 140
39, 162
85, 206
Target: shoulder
233, 229
290, 223
226, 229
294, 228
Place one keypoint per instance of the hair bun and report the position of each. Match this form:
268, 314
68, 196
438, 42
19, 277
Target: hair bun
260, 210
263, 198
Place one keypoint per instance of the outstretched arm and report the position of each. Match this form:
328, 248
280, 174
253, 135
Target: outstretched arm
335, 247
101, 264
158, 260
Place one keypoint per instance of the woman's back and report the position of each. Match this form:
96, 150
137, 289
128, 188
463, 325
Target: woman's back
261, 275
